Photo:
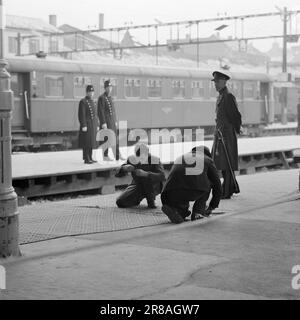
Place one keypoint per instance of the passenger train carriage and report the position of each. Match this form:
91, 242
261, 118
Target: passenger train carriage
47, 93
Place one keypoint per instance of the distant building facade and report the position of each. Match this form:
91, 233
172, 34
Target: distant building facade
36, 30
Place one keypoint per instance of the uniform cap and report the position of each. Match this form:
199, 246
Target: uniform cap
141, 148
107, 83
203, 149
220, 75
89, 88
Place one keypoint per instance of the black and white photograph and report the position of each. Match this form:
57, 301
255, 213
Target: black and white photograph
149, 153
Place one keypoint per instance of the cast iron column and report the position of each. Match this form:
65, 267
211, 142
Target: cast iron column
9, 219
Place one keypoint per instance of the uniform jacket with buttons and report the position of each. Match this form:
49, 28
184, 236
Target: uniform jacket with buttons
107, 112
87, 116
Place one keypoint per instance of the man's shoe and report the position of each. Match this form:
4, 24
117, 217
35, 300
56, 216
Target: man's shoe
185, 214
196, 216
200, 214
225, 197
88, 162
206, 213
172, 214
94, 161
151, 204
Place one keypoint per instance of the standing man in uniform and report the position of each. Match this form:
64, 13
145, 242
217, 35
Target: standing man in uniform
89, 125
108, 119
228, 126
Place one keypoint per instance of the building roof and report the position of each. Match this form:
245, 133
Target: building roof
91, 40
27, 23
129, 40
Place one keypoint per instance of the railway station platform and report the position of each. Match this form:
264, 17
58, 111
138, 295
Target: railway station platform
86, 248
280, 129
46, 173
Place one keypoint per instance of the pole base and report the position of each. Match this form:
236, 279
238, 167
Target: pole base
9, 226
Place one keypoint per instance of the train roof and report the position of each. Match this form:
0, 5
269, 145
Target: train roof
25, 64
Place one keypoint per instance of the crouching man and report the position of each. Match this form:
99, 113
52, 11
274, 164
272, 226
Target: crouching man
181, 188
147, 174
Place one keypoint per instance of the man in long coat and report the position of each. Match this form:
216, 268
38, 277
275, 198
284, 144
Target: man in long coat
108, 119
89, 125
228, 125
147, 178
182, 186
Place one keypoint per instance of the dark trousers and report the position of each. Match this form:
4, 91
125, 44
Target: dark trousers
180, 200
228, 186
87, 153
136, 192
115, 149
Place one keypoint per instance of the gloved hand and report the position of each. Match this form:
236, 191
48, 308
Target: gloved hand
141, 173
128, 168
241, 131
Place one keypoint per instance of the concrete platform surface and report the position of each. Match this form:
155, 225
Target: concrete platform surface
55, 163
289, 125
247, 253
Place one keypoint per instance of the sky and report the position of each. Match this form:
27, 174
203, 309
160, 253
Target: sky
84, 13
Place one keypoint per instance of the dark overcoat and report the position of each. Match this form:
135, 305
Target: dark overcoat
153, 167
107, 112
204, 181
87, 116
228, 121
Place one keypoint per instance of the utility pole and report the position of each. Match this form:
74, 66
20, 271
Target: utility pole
284, 66
284, 53
9, 219
156, 45
198, 54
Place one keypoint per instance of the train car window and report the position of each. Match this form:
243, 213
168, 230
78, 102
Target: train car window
54, 86
12, 45
212, 90
197, 89
132, 88
251, 90
114, 82
154, 87
235, 87
178, 88
277, 94
80, 84
14, 84
53, 45
34, 46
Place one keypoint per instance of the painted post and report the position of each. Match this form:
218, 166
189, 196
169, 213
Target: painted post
9, 219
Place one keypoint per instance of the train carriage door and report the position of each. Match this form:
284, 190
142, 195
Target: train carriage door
20, 85
264, 96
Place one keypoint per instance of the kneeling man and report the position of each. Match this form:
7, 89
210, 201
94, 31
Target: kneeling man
183, 186
147, 174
